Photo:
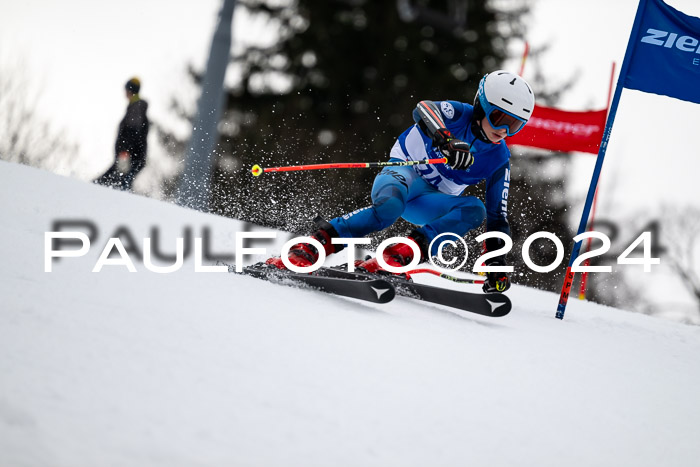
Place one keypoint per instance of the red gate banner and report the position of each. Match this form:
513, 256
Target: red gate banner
559, 130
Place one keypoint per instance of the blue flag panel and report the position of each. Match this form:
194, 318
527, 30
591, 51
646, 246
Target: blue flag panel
666, 53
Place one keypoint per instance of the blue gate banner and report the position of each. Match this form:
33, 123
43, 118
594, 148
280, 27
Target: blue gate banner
665, 56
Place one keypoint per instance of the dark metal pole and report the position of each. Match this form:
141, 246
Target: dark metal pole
195, 187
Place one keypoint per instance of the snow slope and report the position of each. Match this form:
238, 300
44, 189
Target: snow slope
117, 368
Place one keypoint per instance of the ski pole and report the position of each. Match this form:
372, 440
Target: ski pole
257, 170
444, 276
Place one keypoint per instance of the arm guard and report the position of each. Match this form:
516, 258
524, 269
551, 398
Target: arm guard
428, 117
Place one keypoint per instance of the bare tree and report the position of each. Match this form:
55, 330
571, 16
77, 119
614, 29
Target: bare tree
682, 237
25, 136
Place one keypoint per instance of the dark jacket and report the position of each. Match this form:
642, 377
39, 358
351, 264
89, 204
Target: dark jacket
133, 129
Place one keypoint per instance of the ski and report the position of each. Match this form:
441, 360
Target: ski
376, 290
491, 304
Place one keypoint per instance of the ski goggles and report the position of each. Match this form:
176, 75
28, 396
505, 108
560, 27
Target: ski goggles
499, 118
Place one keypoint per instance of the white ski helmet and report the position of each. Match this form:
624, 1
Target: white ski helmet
505, 99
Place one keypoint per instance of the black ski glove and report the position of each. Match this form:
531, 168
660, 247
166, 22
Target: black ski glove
455, 150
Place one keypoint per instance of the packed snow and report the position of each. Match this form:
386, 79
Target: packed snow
192, 368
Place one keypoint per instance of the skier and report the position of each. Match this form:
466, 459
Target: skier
471, 138
131, 145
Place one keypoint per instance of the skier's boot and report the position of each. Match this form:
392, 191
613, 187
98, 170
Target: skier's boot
305, 254
398, 254
495, 281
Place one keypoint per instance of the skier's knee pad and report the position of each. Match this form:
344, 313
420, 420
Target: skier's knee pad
468, 216
475, 213
389, 205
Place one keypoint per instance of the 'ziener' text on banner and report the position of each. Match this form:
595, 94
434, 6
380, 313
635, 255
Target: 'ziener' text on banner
559, 130
665, 55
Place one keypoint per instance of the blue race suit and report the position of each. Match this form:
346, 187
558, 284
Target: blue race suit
429, 195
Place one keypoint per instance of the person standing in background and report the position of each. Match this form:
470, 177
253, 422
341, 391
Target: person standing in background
131, 145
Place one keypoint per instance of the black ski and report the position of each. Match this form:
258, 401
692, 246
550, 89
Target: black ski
376, 290
492, 304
